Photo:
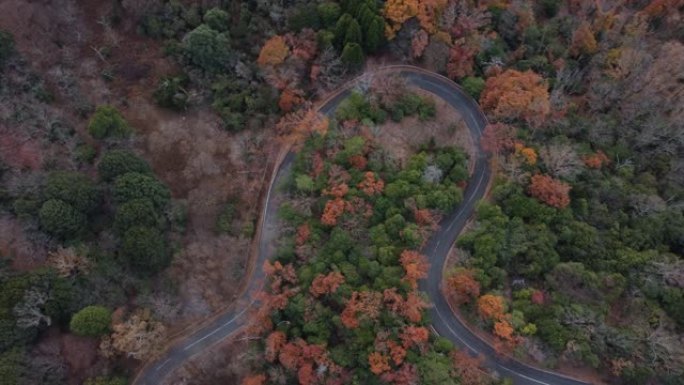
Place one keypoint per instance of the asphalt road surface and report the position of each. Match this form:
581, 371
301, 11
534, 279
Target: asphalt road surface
444, 322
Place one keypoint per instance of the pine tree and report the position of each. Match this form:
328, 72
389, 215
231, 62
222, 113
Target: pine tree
353, 34
341, 28
375, 35
352, 55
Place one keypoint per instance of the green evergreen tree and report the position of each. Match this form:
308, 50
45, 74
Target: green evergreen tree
375, 35
137, 212
352, 56
73, 188
353, 34
134, 185
365, 16
118, 162
207, 49
61, 219
341, 28
144, 249
217, 19
329, 13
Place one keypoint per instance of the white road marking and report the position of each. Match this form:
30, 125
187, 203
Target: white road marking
220, 327
162, 364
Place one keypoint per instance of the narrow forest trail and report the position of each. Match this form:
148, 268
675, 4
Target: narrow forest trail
444, 321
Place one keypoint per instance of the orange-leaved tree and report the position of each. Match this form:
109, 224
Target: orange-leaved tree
464, 287
274, 51
550, 191
407, 374
426, 11
596, 160
413, 307
379, 363
469, 369
274, 342
415, 267
334, 208
256, 379
325, 284
516, 95
289, 99
413, 336
491, 307
397, 352
371, 185
504, 330
365, 304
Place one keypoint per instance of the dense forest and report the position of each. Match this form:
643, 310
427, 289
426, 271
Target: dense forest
137, 138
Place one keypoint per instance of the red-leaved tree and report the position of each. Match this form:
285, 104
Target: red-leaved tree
550, 191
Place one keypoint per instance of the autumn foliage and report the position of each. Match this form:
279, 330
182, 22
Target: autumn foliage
274, 342
504, 330
583, 41
461, 60
370, 185
491, 306
334, 208
399, 11
415, 267
413, 336
274, 52
516, 95
596, 160
325, 284
412, 308
469, 369
289, 99
550, 191
463, 285
256, 379
364, 304
379, 363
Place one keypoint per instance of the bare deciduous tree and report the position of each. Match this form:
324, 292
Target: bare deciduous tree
29, 311
139, 337
68, 262
561, 160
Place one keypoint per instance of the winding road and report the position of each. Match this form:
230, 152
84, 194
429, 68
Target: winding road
444, 321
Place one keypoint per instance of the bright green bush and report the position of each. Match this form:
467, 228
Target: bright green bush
91, 321
118, 162
107, 122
